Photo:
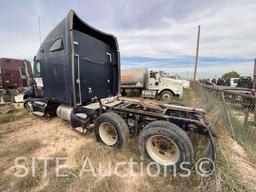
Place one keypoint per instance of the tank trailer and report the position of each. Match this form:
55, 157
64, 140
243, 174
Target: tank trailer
77, 77
150, 84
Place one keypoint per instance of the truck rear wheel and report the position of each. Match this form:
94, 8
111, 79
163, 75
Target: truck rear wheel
111, 130
166, 95
167, 145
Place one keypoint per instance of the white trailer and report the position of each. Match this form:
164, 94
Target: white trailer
149, 83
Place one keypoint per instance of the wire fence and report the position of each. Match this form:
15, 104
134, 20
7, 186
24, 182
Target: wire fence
234, 109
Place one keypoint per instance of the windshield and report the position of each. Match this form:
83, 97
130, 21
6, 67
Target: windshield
163, 74
37, 69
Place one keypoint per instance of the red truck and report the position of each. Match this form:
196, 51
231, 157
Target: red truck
14, 73
14, 76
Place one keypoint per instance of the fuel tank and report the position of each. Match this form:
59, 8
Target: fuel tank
64, 112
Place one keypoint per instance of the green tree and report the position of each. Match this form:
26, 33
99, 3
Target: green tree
232, 74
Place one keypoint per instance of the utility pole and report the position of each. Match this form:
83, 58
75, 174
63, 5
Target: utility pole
197, 51
39, 25
254, 78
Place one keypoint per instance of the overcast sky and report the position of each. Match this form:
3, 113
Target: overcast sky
151, 33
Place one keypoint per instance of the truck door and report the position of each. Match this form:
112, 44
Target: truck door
153, 80
77, 77
93, 68
8, 80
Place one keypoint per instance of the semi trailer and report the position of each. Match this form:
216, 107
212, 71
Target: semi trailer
77, 78
149, 84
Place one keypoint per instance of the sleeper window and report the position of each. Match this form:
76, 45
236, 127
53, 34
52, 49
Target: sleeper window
57, 45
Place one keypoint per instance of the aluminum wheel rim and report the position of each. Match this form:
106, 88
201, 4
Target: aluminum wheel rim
108, 133
166, 96
162, 150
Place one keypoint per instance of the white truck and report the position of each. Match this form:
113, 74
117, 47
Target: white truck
185, 83
149, 83
234, 82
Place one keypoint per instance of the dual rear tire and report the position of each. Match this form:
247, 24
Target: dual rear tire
161, 142
167, 145
111, 130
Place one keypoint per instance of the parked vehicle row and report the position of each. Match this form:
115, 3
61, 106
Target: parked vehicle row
241, 82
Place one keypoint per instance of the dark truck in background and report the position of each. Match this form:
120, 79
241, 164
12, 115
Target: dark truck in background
14, 76
245, 82
77, 77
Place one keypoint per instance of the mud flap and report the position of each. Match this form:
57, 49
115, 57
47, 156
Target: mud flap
210, 150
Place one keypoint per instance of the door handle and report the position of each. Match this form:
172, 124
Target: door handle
89, 90
110, 57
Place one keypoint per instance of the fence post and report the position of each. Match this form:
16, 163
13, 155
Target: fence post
246, 116
254, 91
205, 96
227, 115
254, 122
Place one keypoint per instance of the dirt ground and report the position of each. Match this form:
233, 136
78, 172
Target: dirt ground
29, 136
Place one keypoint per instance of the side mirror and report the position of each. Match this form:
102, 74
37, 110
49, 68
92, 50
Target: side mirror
157, 76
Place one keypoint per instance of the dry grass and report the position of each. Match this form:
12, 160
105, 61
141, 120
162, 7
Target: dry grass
109, 184
7, 155
96, 152
60, 184
226, 177
10, 128
10, 152
52, 161
231, 172
19, 149
13, 116
4, 180
30, 182
23, 184
155, 185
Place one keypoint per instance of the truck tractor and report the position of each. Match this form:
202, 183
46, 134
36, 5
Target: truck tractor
14, 77
77, 78
149, 84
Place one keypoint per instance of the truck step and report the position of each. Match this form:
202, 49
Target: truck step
81, 115
40, 103
38, 113
80, 129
